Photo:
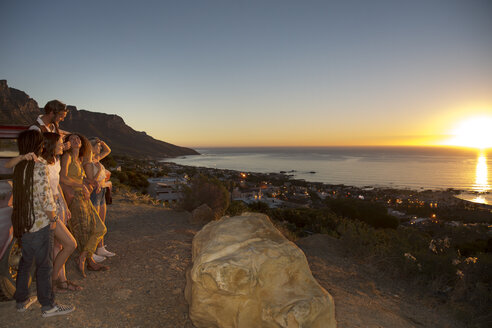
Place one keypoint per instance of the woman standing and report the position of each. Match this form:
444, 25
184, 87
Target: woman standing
85, 223
97, 173
34, 219
65, 243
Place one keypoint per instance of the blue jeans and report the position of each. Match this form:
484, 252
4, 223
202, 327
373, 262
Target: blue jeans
37, 247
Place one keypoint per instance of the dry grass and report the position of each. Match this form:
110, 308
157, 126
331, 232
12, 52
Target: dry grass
138, 198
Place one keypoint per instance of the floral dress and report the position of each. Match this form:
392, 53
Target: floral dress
85, 223
42, 196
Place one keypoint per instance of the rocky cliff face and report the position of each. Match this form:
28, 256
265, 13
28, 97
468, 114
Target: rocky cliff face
17, 108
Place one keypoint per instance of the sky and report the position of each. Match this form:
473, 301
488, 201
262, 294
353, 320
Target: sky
259, 73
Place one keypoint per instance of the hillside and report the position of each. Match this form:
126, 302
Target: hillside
145, 285
122, 139
17, 108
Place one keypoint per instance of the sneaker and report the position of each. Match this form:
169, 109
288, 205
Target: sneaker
22, 307
98, 258
104, 252
58, 309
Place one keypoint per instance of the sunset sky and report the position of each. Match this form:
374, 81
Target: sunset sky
259, 73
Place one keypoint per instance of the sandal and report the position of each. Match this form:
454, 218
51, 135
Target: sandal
67, 285
99, 267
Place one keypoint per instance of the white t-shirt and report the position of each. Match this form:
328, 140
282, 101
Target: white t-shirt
54, 177
50, 127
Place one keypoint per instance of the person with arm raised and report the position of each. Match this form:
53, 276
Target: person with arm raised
95, 170
85, 223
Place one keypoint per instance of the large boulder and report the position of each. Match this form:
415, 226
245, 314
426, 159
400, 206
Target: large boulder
246, 274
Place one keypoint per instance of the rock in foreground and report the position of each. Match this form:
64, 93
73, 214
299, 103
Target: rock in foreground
245, 274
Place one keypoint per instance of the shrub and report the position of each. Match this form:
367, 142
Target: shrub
304, 220
452, 262
259, 207
236, 208
132, 178
109, 162
371, 213
204, 190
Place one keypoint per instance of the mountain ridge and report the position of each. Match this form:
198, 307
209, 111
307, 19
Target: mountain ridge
17, 108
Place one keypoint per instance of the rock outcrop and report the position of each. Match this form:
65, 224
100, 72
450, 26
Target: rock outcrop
16, 107
246, 274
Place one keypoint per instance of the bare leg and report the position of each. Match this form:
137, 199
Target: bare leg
81, 263
68, 245
61, 276
98, 210
102, 214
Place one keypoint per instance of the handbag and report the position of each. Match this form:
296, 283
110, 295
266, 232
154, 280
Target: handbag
108, 196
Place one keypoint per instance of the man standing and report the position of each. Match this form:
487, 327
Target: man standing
55, 112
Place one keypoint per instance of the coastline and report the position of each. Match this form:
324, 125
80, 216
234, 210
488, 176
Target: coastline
414, 168
484, 198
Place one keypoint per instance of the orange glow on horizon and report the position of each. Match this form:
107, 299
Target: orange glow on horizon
461, 126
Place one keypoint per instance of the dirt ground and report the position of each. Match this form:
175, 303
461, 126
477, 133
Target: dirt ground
365, 298
144, 287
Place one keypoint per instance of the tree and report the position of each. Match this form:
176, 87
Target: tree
259, 207
371, 213
204, 190
109, 162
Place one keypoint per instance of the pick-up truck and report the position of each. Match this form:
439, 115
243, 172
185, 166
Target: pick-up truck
10, 252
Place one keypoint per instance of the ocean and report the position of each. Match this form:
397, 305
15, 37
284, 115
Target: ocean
435, 168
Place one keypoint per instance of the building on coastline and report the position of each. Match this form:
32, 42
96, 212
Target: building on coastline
255, 195
168, 188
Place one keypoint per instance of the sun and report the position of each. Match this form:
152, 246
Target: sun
474, 132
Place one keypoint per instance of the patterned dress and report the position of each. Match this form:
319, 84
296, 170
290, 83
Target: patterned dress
85, 224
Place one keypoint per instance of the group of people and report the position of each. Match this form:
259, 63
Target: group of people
59, 205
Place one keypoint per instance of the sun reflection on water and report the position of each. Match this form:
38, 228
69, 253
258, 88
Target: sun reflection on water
481, 179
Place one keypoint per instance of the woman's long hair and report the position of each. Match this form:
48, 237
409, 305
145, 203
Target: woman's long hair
29, 141
49, 150
85, 147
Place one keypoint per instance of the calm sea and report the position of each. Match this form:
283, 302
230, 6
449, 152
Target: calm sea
398, 167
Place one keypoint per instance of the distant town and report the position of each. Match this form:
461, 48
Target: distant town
280, 190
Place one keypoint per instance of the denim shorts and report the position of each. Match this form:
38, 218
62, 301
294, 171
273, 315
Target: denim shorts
61, 209
98, 199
